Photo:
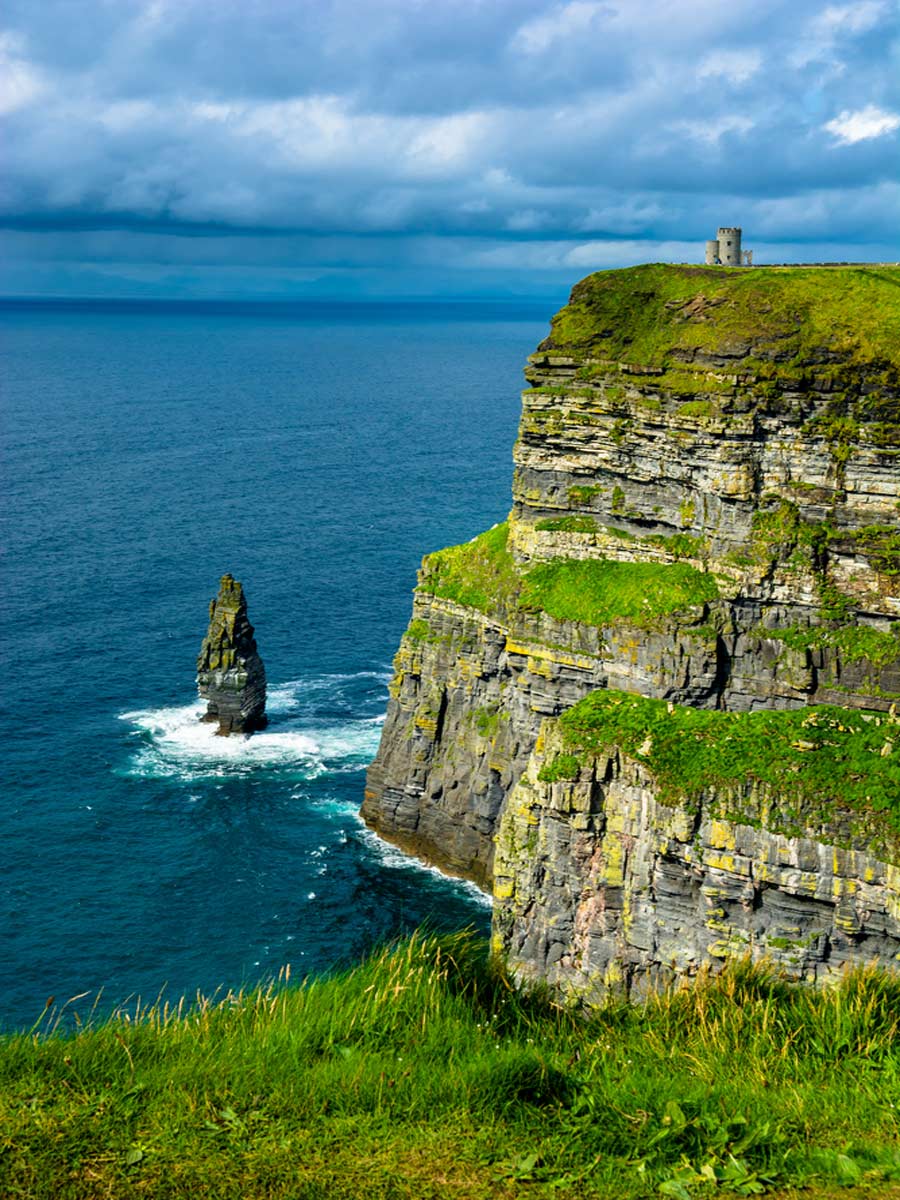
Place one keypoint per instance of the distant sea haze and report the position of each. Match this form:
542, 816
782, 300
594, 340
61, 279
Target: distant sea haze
314, 451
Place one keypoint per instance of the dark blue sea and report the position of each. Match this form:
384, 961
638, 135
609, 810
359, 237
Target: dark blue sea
315, 452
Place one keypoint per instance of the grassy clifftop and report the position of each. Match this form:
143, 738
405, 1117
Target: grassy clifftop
815, 759
656, 314
423, 1075
482, 574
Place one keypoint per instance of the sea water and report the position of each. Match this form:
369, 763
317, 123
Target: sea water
313, 451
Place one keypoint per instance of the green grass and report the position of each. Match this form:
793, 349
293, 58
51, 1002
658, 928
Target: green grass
425, 1074
419, 631
817, 757
562, 766
597, 592
479, 574
641, 314
482, 574
574, 523
584, 494
854, 643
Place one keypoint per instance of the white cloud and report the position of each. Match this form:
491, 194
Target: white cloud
447, 141
737, 66
560, 25
597, 255
849, 18
711, 131
528, 220
20, 82
862, 125
125, 115
835, 25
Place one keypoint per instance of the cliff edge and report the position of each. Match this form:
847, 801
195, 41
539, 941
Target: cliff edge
706, 513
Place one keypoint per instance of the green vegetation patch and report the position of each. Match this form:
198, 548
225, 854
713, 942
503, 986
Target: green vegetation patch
680, 545
487, 720
482, 574
854, 643
825, 755
562, 766
881, 545
585, 494
697, 408
598, 592
642, 314
574, 523
425, 1073
479, 574
419, 631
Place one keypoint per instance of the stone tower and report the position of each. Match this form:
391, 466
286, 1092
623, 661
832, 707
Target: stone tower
725, 249
729, 239
231, 677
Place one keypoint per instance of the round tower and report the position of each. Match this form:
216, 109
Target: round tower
712, 253
729, 237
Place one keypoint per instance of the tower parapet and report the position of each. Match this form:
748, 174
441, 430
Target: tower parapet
725, 249
729, 239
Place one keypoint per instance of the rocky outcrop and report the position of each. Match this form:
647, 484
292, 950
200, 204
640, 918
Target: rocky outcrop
231, 677
599, 883
706, 510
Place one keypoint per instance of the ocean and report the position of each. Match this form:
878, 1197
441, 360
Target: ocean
315, 451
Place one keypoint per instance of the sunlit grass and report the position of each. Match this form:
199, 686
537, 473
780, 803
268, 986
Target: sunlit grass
482, 574
425, 1073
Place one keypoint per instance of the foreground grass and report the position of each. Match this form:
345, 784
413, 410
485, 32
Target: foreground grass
423, 1073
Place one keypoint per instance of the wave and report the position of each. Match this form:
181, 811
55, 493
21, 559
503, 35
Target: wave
308, 734
354, 690
395, 859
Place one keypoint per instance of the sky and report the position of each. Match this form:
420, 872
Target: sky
284, 149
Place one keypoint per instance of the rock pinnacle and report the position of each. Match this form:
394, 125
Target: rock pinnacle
230, 674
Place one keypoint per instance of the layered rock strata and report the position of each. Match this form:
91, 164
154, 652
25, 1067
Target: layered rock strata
599, 882
706, 510
231, 677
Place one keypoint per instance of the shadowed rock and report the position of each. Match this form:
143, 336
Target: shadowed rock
230, 674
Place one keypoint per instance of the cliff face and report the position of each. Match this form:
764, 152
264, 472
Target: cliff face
613, 867
706, 510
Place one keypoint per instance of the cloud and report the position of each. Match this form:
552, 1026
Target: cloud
827, 36
849, 18
20, 82
457, 136
862, 125
561, 24
737, 66
713, 130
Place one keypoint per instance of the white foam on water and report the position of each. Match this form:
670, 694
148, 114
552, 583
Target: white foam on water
285, 698
175, 743
395, 859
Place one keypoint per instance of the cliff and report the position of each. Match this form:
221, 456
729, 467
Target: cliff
706, 511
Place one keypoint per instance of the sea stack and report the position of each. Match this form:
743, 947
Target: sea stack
230, 673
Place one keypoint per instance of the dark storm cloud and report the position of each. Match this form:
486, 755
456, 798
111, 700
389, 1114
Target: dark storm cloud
516, 135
